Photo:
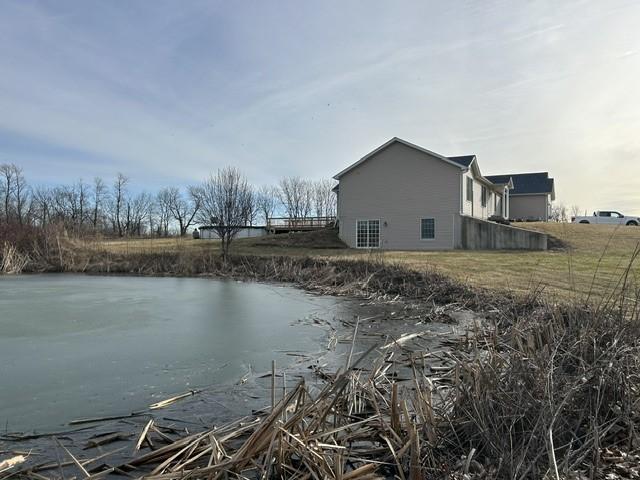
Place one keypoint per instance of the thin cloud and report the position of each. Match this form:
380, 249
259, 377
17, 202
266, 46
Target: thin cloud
170, 93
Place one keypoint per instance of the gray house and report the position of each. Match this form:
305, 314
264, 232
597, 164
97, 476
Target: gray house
405, 197
531, 196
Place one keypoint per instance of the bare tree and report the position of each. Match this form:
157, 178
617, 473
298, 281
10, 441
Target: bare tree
112, 208
163, 200
324, 199
252, 208
119, 200
296, 194
184, 209
558, 213
266, 202
41, 206
21, 194
138, 214
226, 204
83, 194
7, 172
99, 194
575, 211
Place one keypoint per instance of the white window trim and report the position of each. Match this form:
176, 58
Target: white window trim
420, 228
379, 232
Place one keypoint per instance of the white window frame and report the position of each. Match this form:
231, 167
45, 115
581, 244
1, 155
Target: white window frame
434, 229
379, 232
469, 179
484, 194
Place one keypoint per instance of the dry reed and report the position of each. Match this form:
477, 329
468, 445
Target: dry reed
12, 261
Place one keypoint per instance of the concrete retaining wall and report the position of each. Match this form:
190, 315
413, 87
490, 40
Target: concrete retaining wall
475, 234
248, 232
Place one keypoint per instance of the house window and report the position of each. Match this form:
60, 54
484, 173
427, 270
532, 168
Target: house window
483, 196
368, 234
469, 189
427, 228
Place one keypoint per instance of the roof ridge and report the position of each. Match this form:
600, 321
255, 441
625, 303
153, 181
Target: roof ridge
407, 144
524, 173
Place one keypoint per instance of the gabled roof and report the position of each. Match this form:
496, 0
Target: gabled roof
450, 161
499, 179
464, 160
527, 183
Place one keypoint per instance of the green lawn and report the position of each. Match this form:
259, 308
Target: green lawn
595, 259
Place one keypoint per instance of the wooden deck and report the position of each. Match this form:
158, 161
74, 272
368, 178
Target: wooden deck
285, 224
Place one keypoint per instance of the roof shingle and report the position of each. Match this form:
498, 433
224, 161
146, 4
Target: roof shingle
525, 183
463, 160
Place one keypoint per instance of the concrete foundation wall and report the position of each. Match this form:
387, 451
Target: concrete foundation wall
210, 234
475, 234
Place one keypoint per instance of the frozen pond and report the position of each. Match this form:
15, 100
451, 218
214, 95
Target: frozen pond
74, 346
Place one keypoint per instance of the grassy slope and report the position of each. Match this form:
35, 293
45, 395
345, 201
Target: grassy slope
597, 250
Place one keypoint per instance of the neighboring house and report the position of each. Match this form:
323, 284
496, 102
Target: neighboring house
531, 196
404, 197
209, 232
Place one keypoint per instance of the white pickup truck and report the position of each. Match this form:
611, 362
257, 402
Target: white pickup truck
607, 217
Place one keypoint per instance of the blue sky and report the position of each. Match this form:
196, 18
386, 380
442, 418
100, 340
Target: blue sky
168, 91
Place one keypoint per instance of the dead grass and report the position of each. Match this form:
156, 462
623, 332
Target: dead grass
596, 257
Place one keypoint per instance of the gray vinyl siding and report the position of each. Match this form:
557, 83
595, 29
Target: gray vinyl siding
529, 207
399, 186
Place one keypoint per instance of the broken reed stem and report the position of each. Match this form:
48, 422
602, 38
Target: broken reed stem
273, 385
353, 343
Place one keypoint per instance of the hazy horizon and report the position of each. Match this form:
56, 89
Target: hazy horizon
167, 92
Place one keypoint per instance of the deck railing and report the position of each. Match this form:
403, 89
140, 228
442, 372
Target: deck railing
306, 223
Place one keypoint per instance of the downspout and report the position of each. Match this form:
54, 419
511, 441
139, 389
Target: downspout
507, 204
503, 203
461, 198
461, 212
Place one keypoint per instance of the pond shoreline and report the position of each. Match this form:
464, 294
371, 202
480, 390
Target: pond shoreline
361, 278
223, 403
524, 386
420, 298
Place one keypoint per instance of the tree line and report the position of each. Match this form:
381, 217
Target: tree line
225, 198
